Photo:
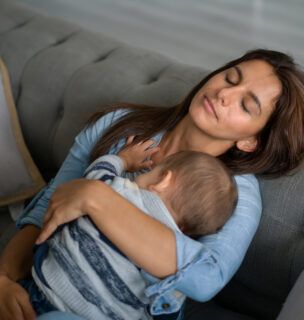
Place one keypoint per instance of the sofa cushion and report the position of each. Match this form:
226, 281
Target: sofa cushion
276, 256
211, 311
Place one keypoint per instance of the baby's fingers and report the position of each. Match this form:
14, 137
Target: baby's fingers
146, 164
150, 151
145, 145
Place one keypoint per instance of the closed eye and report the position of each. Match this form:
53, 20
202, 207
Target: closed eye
233, 76
244, 107
228, 80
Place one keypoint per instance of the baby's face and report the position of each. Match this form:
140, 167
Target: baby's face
150, 178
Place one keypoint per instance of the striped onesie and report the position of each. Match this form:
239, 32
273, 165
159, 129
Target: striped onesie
80, 271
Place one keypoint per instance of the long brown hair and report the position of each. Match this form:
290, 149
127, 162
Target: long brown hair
280, 143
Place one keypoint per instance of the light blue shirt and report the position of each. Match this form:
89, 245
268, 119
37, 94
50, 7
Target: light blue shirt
204, 266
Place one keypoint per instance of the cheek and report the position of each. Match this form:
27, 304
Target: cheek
241, 126
246, 128
195, 111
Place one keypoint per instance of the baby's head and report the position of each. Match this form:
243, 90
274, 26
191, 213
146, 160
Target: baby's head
197, 189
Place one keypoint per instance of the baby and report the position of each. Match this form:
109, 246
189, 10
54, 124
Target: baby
79, 270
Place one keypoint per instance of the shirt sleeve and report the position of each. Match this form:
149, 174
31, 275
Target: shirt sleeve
205, 266
73, 167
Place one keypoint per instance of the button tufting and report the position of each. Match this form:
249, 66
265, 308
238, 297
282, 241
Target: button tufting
64, 39
157, 76
153, 79
105, 56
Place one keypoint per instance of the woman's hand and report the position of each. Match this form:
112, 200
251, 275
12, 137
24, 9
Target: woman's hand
147, 242
68, 203
15, 263
15, 302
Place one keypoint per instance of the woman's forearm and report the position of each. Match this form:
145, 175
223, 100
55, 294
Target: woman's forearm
16, 260
147, 242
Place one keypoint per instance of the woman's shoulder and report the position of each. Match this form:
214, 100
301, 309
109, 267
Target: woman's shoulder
96, 129
110, 118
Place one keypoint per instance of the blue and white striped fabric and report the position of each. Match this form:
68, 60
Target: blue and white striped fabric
83, 272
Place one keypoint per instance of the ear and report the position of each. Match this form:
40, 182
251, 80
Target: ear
247, 145
163, 183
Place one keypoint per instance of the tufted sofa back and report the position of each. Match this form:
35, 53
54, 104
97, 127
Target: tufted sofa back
61, 74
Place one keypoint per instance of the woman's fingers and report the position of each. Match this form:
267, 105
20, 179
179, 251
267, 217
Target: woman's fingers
65, 207
16, 312
26, 307
47, 216
15, 303
49, 226
66, 204
47, 230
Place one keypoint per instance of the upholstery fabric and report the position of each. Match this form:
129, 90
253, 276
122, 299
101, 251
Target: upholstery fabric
276, 256
61, 73
294, 305
81, 72
211, 311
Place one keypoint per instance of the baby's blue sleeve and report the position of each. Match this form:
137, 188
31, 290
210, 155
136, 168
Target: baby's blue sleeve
105, 168
205, 266
73, 167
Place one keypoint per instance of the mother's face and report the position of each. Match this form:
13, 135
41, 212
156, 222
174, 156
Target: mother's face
235, 104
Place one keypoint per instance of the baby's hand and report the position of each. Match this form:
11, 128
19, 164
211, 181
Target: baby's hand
135, 156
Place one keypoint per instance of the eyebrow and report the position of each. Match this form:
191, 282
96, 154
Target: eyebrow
251, 94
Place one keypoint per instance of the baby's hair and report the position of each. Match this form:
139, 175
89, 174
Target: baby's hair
204, 193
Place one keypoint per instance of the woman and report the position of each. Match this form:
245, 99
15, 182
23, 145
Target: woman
249, 113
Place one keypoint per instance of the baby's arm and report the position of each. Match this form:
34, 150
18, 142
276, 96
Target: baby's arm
131, 158
105, 168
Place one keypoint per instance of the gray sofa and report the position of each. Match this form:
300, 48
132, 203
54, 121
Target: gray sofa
61, 73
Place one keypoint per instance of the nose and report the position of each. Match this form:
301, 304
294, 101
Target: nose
227, 95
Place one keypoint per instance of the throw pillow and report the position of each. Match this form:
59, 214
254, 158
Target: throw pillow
19, 176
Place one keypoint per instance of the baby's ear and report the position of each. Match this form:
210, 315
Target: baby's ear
163, 182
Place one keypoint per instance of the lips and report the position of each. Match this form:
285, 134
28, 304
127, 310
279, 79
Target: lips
209, 106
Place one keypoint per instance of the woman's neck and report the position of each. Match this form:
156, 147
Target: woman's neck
186, 136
